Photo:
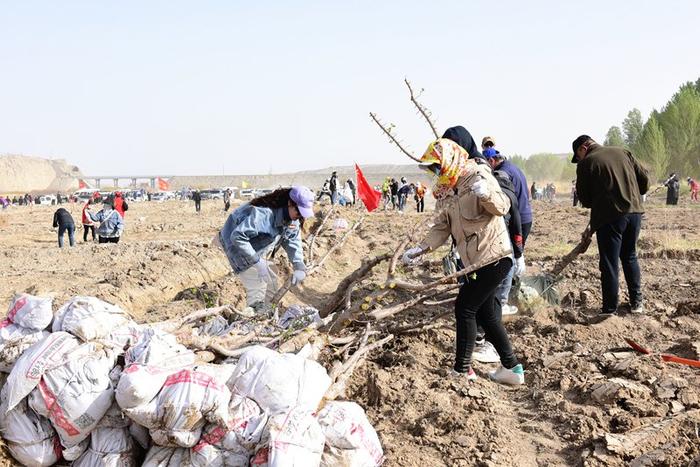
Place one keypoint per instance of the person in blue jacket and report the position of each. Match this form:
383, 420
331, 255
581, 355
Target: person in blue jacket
254, 229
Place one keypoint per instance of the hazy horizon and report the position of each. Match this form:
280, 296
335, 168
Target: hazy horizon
225, 87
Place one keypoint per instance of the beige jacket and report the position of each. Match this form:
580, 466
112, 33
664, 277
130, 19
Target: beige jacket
476, 223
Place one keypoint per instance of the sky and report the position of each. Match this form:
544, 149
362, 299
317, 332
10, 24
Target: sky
229, 87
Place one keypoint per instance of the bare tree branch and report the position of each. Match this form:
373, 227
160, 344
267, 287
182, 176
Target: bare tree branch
422, 109
318, 232
392, 138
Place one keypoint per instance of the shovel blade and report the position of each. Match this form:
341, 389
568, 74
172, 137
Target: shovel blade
543, 285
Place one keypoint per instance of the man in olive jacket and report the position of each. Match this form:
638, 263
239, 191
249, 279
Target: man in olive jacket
611, 183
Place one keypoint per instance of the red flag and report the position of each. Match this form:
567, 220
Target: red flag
81, 184
367, 194
163, 185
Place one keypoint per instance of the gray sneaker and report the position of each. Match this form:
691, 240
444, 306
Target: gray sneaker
637, 308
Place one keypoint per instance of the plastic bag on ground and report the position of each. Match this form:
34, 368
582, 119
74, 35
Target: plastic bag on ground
350, 438
89, 318
299, 317
340, 224
278, 382
155, 356
187, 400
76, 395
30, 312
14, 340
46, 354
292, 439
30, 438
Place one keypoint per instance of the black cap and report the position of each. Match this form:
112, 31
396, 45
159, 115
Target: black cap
578, 142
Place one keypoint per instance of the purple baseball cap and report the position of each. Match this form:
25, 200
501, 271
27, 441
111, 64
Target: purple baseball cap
304, 199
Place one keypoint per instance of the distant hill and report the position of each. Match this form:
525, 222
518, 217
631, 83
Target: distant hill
314, 179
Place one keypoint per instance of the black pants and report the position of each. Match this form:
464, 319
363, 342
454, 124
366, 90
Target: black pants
108, 240
197, 206
477, 303
85, 232
526, 227
227, 205
70, 228
420, 205
617, 241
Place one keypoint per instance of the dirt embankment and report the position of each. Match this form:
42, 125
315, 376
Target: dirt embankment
588, 399
24, 174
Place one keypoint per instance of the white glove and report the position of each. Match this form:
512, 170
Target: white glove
410, 254
263, 268
480, 188
298, 276
520, 266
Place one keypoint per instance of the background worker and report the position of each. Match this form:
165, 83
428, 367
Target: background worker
253, 229
111, 223
611, 183
420, 197
673, 189
197, 198
88, 223
480, 208
64, 221
694, 189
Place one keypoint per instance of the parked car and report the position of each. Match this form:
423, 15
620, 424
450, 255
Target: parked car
160, 196
46, 200
214, 193
247, 193
85, 194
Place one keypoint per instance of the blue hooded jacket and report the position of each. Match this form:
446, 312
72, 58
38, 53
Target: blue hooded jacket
249, 230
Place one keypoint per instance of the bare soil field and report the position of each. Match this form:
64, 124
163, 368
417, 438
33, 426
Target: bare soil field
589, 399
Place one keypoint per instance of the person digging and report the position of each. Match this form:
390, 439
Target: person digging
253, 230
611, 182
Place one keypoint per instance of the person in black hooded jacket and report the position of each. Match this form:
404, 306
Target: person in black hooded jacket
461, 136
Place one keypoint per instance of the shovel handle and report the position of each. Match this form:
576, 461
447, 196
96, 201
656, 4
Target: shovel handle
574, 253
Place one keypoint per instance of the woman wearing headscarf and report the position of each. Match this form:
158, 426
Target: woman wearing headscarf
474, 205
254, 229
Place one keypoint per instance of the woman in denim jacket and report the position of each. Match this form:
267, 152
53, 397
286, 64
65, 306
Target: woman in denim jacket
255, 228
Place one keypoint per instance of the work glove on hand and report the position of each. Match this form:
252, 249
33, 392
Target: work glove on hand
520, 266
480, 188
298, 276
409, 257
263, 268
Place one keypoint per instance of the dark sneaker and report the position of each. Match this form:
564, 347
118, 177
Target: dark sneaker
637, 308
607, 313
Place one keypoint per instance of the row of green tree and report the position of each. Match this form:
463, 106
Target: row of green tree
546, 167
669, 141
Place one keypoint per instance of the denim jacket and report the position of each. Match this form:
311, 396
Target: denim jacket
111, 223
251, 229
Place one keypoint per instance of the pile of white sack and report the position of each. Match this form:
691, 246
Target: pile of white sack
88, 385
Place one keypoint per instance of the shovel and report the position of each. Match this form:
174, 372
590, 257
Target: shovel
544, 284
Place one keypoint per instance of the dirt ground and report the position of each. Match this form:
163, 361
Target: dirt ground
588, 399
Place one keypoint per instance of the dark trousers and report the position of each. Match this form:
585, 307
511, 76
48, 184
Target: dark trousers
108, 240
227, 205
617, 242
197, 206
477, 303
420, 205
70, 228
85, 232
526, 231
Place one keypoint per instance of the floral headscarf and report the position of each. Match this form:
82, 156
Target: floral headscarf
452, 161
